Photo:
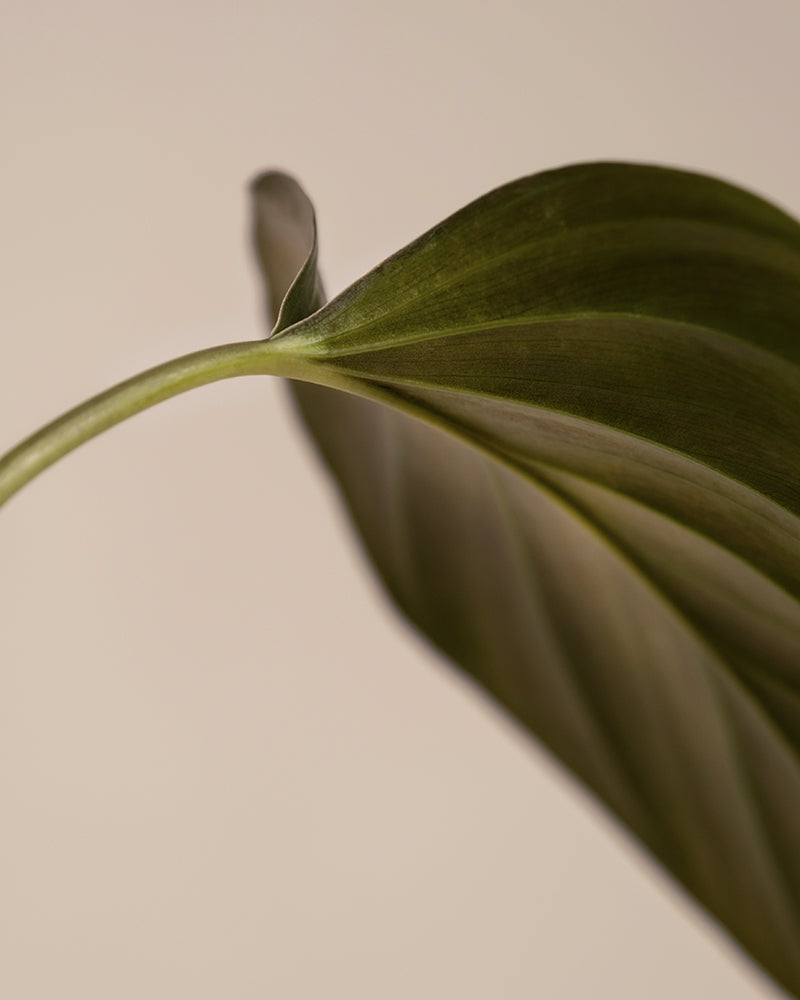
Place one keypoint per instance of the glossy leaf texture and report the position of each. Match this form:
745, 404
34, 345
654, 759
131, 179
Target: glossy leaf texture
573, 455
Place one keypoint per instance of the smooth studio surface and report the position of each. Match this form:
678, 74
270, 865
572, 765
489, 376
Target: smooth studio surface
226, 768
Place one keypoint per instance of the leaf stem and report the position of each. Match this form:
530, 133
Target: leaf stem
116, 404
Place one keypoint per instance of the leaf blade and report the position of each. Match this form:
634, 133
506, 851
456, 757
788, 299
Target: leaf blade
591, 387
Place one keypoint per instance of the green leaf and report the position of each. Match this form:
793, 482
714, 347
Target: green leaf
574, 458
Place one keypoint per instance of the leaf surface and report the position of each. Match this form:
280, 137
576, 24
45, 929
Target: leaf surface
573, 455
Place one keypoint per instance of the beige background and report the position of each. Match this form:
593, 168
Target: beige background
226, 770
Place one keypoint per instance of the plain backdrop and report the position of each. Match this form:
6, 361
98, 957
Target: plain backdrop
226, 768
